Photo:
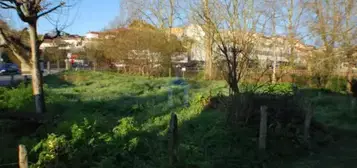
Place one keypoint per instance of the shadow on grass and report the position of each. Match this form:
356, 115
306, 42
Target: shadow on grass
202, 140
137, 120
57, 81
130, 131
335, 147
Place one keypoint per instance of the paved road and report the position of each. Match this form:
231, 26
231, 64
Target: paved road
5, 80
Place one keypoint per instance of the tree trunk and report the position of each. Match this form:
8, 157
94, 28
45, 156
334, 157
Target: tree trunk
49, 67
68, 64
273, 76
37, 81
208, 62
23, 161
235, 89
208, 41
95, 66
58, 65
349, 78
170, 71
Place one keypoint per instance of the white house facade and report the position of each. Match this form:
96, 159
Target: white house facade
267, 48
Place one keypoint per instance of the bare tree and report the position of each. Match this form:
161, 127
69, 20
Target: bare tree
333, 26
163, 14
349, 44
30, 12
321, 67
272, 14
233, 39
288, 20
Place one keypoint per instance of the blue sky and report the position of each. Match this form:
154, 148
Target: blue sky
86, 15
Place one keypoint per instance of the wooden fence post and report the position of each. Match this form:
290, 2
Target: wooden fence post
307, 123
12, 79
263, 127
172, 139
49, 67
58, 65
23, 162
170, 97
26, 80
353, 104
68, 64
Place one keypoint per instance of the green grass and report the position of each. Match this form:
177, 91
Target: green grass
109, 120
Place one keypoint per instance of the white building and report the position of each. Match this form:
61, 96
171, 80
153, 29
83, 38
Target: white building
266, 49
196, 33
47, 44
92, 35
65, 43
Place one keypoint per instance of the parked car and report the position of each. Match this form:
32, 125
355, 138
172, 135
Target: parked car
9, 68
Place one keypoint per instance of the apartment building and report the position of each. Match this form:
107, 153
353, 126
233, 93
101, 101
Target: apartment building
267, 49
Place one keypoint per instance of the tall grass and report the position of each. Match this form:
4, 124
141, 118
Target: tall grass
101, 119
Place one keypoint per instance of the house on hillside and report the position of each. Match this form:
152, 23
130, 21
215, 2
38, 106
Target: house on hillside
279, 47
65, 42
103, 34
267, 48
195, 33
92, 35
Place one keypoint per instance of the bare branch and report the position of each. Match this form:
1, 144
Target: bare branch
3, 36
49, 37
6, 6
51, 10
8, 43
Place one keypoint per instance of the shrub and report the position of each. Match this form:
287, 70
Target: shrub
319, 81
334, 83
300, 80
337, 84
200, 75
50, 148
16, 99
276, 89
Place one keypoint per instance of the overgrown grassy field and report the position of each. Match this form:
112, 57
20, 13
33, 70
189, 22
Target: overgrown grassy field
104, 120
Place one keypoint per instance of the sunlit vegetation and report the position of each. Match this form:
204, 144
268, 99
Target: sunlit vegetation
99, 119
